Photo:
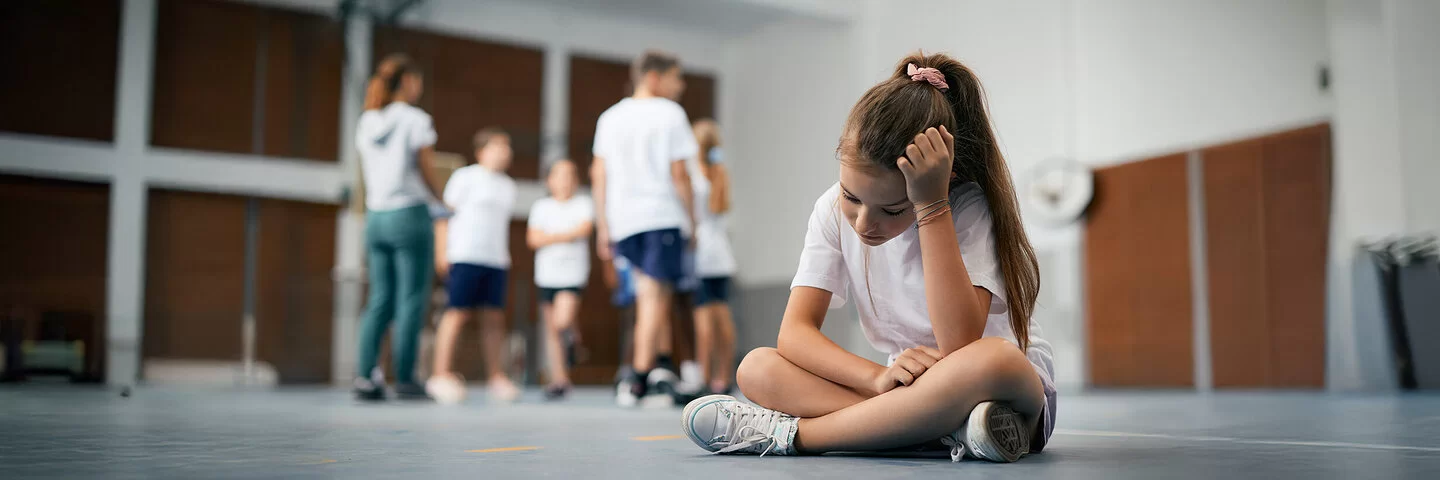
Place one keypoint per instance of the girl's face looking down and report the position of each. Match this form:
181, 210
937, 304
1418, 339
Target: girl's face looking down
875, 203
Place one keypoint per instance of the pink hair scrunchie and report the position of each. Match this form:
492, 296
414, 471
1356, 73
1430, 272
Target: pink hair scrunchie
927, 74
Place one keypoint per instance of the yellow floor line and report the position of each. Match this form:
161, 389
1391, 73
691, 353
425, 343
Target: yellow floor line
322, 462
506, 449
657, 437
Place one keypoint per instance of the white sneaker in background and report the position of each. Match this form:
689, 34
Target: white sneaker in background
722, 424
691, 379
624, 393
995, 432
446, 389
502, 390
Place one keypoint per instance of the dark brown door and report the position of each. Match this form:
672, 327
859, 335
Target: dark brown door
294, 301
194, 275
53, 250
61, 58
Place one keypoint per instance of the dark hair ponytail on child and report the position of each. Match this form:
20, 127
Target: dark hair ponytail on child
382, 86
885, 121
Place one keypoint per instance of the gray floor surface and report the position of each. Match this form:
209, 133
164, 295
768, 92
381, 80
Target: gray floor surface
60, 431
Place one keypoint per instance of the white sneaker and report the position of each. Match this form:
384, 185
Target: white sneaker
994, 432
502, 390
722, 424
446, 389
624, 394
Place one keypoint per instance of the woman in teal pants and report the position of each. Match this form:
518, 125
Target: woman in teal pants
396, 142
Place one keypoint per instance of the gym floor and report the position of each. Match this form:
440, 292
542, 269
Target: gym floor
63, 431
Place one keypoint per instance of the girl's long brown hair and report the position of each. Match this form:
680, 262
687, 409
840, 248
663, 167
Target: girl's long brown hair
886, 120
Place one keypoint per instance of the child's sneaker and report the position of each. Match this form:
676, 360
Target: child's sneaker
994, 432
722, 424
502, 390
368, 390
446, 389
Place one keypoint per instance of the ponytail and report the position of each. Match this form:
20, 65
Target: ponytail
380, 91
885, 121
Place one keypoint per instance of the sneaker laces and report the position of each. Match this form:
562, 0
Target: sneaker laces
752, 427
957, 448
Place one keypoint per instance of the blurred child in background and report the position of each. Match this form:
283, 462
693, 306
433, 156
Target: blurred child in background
478, 249
559, 231
714, 264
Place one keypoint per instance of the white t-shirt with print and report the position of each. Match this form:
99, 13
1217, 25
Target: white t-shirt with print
479, 232
640, 139
891, 299
387, 140
562, 265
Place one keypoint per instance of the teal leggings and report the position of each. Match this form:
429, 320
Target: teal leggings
401, 246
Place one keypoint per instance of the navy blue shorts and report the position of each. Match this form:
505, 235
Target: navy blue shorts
547, 295
656, 253
712, 290
476, 286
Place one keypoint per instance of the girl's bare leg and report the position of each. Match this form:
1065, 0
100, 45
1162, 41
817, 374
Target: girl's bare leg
704, 340
560, 317
937, 404
771, 381
724, 355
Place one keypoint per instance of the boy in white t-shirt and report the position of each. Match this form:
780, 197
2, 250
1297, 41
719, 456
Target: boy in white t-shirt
478, 250
559, 231
644, 202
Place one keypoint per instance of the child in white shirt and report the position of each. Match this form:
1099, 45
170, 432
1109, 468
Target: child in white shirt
559, 231
923, 233
644, 203
478, 250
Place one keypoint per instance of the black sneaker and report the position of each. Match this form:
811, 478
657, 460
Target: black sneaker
661, 380
410, 391
556, 392
369, 391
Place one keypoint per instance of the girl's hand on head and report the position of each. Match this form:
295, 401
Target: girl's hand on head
907, 367
926, 165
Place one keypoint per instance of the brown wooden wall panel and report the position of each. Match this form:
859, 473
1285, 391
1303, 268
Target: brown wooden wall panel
1267, 224
1137, 272
204, 85
194, 275
61, 59
54, 251
472, 84
595, 85
1235, 245
699, 97
302, 88
1297, 214
294, 291
206, 95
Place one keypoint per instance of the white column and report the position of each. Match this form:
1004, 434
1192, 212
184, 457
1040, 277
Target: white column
555, 105
350, 224
125, 285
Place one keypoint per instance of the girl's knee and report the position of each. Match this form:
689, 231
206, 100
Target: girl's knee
754, 369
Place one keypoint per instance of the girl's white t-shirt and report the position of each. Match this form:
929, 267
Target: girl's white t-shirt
387, 140
479, 232
890, 298
562, 265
